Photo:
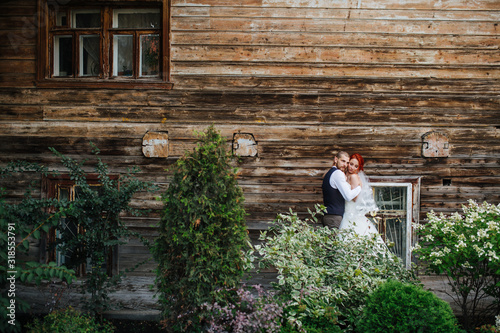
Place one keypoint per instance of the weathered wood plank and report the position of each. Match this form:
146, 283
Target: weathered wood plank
334, 13
339, 93
334, 25
17, 3
336, 39
328, 112
481, 84
27, 21
330, 70
336, 55
304, 135
394, 4
20, 52
17, 66
20, 112
15, 80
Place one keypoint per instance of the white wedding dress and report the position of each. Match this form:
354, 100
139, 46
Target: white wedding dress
355, 211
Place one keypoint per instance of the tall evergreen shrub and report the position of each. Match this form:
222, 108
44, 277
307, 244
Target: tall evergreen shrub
202, 233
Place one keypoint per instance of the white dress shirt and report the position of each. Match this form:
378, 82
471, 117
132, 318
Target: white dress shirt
338, 181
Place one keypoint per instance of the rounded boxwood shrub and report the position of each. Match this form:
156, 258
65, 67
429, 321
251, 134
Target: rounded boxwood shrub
69, 321
398, 307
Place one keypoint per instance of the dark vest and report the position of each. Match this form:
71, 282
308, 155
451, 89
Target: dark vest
332, 198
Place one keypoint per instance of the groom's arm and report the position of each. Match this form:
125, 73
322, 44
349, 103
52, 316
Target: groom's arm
337, 180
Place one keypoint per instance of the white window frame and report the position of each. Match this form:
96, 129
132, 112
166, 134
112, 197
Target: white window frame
117, 12
412, 185
57, 69
80, 54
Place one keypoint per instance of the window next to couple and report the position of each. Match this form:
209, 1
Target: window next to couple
347, 196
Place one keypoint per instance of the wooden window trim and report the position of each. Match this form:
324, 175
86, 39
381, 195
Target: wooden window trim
44, 61
50, 186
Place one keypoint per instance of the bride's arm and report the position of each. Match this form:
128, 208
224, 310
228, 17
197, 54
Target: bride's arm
355, 181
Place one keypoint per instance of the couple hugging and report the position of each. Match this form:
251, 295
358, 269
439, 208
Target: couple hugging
347, 196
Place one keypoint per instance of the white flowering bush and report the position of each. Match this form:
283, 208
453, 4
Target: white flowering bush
466, 249
326, 274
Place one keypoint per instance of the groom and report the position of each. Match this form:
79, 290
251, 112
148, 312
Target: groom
336, 190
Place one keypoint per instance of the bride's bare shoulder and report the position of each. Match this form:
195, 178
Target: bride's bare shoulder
354, 179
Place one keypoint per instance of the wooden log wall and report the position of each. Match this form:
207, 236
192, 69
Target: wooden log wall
305, 77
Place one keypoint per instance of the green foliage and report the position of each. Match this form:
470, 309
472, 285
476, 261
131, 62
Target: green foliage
466, 249
326, 272
400, 307
69, 321
202, 232
20, 222
324, 324
246, 309
98, 211
487, 328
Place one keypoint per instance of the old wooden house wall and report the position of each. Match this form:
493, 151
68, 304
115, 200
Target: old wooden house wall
305, 77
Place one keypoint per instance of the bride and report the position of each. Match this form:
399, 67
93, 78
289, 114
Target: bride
355, 210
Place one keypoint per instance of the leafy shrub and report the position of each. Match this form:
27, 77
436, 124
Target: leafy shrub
466, 249
69, 321
399, 307
245, 310
324, 271
324, 324
202, 233
20, 222
488, 328
99, 213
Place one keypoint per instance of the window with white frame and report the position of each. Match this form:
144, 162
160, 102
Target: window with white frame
398, 201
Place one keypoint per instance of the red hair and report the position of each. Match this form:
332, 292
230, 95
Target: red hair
360, 160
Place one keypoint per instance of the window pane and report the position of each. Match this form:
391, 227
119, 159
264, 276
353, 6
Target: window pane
123, 55
61, 19
89, 55
63, 56
135, 18
392, 203
86, 19
391, 198
63, 194
67, 228
150, 51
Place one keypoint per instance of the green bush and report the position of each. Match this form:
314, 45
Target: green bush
69, 321
202, 233
465, 248
399, 307
99, 211
20, 222
324, 324
326, 272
